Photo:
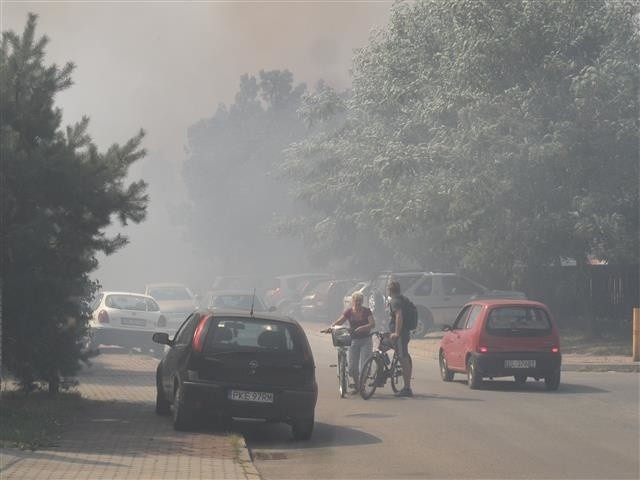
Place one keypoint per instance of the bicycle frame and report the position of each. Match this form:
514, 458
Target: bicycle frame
385, 369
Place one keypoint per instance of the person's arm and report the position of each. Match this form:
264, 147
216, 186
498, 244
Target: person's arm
399, 321
368, 327
339, 321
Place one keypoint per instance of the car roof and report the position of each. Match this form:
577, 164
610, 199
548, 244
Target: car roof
245, 314
298, 275
111, 292
233, 292
501, 302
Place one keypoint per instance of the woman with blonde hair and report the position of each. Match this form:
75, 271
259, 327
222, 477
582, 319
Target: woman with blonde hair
361, 323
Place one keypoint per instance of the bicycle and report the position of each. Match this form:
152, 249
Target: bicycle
378, 369
342, 341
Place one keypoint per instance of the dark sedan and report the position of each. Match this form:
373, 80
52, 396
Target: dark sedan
235, 365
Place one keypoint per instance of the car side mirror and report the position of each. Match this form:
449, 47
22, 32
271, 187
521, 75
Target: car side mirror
446, 328
272, 308
161, 338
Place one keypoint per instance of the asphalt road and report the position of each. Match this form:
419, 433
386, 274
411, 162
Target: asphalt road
589, 428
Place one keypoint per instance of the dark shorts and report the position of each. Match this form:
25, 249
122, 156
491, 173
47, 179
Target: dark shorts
403, 344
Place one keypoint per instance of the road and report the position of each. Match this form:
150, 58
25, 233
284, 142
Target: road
588, 429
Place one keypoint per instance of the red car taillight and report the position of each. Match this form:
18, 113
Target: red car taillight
103, 317
483, 349
555, 350
162, 322
200, 333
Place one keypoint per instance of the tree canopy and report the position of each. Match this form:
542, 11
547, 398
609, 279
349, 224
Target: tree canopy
482, 135
59, 192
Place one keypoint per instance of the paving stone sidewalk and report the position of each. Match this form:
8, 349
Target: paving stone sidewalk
119, 436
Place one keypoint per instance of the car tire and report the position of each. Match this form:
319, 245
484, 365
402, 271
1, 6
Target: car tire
445, 373
474, 378
552, 381
520, 379
302, 429
163, 406
182, 416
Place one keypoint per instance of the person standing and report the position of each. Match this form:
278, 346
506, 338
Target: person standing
361, 322
400, 334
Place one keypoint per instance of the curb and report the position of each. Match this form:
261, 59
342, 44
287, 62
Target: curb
601, 367
246, 462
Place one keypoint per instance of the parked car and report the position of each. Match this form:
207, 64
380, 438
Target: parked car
438, 296
124, 319
286, 291
324, 301
239, 282
235, 365
501, 338
238, 300
176, 302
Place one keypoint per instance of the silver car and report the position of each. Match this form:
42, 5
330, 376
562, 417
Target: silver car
438, 296
176, 302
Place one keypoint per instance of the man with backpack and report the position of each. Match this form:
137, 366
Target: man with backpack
404, 318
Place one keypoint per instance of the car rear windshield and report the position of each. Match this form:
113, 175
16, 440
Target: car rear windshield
518, 322
252, 335
169, 293
131, 302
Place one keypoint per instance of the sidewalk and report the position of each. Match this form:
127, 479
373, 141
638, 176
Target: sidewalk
123, 438
428, 348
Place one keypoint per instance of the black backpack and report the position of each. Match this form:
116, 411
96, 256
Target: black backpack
409, 315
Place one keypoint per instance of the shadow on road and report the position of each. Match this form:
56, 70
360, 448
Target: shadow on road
262, 435
531, 386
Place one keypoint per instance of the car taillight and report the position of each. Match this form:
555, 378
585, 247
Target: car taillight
200, 334
162, 322
483, 349
103, 316
555, 350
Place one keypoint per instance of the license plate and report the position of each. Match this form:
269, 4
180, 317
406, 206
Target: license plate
246, 396
138, 322
519, 364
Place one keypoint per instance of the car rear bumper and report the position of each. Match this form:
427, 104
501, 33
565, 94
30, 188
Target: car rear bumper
288, 404
493, 364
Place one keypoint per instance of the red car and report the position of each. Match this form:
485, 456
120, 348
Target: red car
501, 338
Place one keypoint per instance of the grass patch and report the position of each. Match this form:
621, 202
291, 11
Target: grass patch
35, 420
611, 341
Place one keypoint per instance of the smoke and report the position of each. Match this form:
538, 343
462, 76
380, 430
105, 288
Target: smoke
164, 66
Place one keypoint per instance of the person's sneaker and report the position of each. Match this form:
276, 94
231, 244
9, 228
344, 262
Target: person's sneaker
405, 392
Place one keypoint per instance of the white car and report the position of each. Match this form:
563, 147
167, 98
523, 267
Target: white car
176, 302
124, 319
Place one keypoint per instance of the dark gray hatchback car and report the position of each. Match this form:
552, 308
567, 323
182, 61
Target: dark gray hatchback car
232, 364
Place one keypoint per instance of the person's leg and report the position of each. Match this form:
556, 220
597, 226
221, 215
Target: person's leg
354, 358
366, 349
406, 362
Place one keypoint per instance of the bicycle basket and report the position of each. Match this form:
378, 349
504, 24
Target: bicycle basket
341, 337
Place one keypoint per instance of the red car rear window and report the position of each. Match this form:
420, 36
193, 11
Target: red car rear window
518, 321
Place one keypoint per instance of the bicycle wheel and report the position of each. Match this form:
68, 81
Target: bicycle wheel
342, 374
372, 371
397, 380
